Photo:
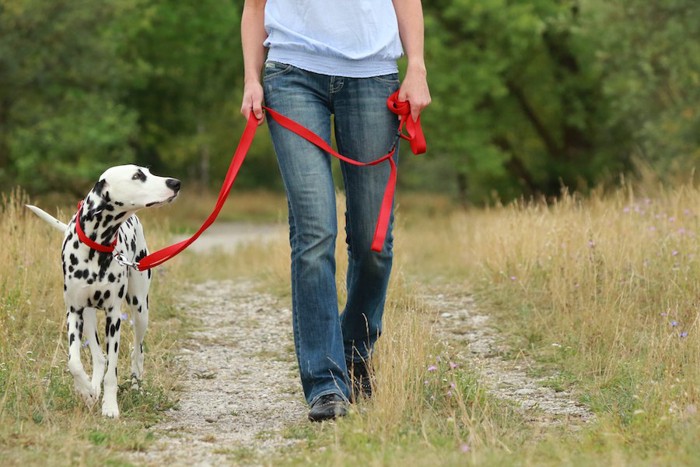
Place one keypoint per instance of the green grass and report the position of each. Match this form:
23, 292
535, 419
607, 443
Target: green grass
611, 281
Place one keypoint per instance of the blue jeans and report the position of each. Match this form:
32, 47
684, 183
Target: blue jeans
364, 130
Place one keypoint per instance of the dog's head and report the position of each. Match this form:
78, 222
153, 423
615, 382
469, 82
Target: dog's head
132, 187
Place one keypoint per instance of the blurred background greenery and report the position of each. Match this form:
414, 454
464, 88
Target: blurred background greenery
529, 95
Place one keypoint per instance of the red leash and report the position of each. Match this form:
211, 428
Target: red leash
414, 134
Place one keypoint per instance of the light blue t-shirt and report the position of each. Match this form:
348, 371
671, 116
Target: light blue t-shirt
353, 38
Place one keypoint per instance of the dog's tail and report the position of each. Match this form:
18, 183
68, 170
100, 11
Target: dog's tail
55, 223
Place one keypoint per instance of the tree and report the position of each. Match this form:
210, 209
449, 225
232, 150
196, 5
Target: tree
519, 105
61, 83
188, 104
649, 57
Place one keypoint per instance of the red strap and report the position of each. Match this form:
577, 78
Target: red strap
87, 240
414, 136
160, 256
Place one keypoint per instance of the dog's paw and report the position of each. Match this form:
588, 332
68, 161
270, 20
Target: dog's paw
110, 410
96, 389
88, 394
135, 383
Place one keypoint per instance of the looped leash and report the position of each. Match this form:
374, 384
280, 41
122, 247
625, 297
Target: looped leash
414, 135
413, 128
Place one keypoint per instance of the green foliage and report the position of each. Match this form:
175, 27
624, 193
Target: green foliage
649, 54
524, 113
62, 80
528, 96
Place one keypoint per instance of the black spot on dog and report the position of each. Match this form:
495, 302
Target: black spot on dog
99, 187
73, 259
141, 254
71, 339
111, 278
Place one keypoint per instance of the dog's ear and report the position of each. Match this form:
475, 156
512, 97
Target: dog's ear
99, 187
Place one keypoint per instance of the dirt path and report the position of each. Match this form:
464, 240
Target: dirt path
240, 388
480, 346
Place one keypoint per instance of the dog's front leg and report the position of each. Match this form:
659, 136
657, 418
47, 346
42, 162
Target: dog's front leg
137, 298
98, 357
75, 365
112, 325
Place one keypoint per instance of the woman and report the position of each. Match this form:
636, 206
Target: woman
334, 64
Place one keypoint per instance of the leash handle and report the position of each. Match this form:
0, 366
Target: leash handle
414, 135
413, 128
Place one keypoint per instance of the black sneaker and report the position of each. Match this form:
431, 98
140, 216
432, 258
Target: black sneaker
328, 407
360, 379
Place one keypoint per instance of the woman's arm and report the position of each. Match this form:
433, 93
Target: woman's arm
414, 88
252, 37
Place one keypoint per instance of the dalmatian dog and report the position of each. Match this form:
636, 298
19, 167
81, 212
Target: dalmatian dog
99, 242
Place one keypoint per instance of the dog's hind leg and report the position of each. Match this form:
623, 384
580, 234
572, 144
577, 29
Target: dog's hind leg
98, 358
75, 365
137, 299
109, 399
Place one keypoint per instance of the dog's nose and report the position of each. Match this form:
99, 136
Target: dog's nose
173, 184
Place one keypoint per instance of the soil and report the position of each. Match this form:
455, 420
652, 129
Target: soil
240, 394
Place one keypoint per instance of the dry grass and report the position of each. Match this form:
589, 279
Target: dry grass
603, 290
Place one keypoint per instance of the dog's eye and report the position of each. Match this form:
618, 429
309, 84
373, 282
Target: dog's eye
139, 176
